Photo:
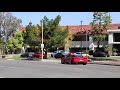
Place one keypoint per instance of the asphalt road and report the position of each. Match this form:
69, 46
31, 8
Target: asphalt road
54, 69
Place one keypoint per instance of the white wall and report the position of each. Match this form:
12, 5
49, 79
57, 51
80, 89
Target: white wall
111, 37
86, 43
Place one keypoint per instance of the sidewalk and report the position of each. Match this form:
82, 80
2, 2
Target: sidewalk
114, 63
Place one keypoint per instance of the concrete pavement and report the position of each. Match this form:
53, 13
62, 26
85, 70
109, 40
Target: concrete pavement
107, 62
54, 69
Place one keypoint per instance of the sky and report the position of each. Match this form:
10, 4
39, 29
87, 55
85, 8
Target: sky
67, 18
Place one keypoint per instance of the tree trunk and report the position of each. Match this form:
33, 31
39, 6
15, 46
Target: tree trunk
13, 52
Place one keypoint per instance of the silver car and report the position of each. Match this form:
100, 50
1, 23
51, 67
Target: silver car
82, 53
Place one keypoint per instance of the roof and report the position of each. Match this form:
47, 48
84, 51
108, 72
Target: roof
82, 29
22, 28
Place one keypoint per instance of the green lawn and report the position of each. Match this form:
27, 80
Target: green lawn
14, 57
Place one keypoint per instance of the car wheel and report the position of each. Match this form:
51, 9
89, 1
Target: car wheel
84, 63
62, 62
70, 62
55, 57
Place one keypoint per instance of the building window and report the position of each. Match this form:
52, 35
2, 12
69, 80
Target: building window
118, 27
81, 37
116, 37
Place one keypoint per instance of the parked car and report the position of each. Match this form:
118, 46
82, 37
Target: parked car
52, 55
26, 54
39, 55
115, 54
74, 58
57, 54
100, 54
81, 53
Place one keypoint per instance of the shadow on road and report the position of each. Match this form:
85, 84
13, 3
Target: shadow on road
31, 59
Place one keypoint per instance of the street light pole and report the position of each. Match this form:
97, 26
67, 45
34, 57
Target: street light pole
109, 14
42, 40
86, 42
81, 36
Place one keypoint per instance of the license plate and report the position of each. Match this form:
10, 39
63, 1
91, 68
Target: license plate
81, 60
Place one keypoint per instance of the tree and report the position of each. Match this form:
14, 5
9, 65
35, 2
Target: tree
32, 35
52, 34
1, 45
50, 26
59, 37
15, 43
8, 25
69, 38
110, 50
101, 20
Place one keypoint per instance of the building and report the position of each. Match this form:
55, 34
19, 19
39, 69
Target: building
114, 38
83, 37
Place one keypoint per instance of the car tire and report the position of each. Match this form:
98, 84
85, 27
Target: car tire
70, 62
62, 62
55, 57
84, 63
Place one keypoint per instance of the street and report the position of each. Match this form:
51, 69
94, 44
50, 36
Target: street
54, 69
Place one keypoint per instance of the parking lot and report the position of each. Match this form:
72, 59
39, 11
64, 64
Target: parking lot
54, 69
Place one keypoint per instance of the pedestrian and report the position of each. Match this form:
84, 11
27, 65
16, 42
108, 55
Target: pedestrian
45, 51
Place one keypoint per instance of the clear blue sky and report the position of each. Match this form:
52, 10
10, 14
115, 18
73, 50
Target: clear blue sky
67, 18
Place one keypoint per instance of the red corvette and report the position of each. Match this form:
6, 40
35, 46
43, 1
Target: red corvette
38, 55
74, 58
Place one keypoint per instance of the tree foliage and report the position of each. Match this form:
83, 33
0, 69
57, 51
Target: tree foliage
15, 42
32, 35
59, 37
69, 38
100, 23
52, 34
50, 26
8, 25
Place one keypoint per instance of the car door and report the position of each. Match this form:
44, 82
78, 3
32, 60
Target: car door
68, 58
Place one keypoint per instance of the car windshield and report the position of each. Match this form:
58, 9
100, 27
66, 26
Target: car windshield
37, 52
80, 52
78, 55
55, 52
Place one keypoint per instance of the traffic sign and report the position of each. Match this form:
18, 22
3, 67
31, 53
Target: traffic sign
42, 45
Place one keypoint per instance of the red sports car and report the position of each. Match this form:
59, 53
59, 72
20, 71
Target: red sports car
38, 55
74, 58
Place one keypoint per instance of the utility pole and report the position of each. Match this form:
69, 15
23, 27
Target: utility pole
81, 36
109, 14
86, 42
86, 38
42, 45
